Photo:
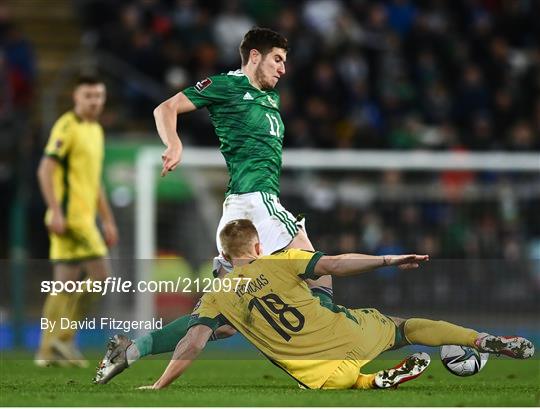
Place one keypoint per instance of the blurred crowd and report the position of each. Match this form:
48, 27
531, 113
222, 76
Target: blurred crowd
17, 68
397, 74
17, 92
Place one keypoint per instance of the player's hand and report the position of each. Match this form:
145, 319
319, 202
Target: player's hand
406, 261
57, 224
110, 233
171, 158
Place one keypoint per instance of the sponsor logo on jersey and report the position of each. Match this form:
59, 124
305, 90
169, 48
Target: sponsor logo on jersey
247, 96
202, 85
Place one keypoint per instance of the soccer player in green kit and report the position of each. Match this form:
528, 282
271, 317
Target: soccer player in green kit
244, 109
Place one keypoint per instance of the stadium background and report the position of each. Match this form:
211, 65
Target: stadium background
460, 76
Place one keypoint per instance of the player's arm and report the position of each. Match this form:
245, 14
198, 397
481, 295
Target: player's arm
45, 172
352, 263
106, 215
187, 350
165, 116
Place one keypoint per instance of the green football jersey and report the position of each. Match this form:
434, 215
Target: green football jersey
249, 127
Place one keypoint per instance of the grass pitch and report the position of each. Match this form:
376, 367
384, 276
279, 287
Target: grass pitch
257, 382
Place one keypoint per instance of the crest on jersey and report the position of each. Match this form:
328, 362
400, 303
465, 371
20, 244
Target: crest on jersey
202, 85
59, 143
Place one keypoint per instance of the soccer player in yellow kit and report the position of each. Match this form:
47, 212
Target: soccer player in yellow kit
322, 346
69, 175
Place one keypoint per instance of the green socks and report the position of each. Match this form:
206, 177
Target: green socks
163, 340
144, 345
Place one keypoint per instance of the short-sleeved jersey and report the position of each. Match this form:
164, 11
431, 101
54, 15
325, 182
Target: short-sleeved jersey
278, 315
250, 130
78, 146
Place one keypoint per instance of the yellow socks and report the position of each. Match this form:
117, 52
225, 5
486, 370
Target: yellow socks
426, 332
365, 382
73, 306
77, 310
56, 307
435, 333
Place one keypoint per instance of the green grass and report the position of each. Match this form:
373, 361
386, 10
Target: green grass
503, 382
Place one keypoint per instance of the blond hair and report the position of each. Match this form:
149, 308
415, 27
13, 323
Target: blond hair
237, 237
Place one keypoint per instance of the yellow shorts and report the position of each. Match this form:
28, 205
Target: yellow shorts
77, 244
378, 335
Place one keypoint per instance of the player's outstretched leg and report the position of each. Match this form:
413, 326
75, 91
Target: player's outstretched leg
422, 331
407, 370
513, 346
115, 359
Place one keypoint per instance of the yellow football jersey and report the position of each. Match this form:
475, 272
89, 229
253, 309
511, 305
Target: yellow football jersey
278, 315
78, 146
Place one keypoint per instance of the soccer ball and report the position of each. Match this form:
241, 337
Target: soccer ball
462, 361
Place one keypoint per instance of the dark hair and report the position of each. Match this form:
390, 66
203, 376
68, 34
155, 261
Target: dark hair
88, 79
262, 40
237, 236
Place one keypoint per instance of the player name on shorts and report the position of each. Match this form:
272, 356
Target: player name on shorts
102, 323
